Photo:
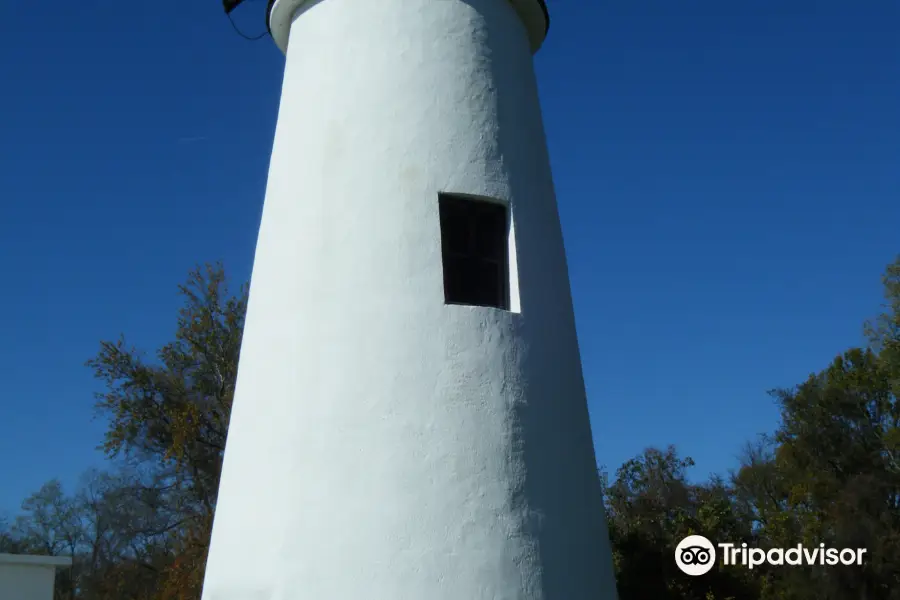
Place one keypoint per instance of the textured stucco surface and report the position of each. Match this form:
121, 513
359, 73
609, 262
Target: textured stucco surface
26, 580
533, 13
384, 445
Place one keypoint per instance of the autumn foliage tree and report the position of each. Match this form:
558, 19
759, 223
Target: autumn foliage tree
173, 411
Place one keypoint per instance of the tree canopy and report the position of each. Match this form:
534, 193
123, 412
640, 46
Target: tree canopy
829, 474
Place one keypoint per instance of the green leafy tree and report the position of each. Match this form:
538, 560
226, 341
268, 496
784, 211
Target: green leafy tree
651, 507
829, 474
884, 336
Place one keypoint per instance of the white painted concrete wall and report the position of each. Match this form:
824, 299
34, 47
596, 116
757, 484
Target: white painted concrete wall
383, 445
28, 577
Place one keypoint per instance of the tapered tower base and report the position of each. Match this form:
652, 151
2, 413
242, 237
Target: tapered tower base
386, 441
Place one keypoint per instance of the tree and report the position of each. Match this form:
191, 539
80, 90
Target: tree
830, 472
9, 542
884, 337
128, 519
51, 526
173, 413
651, 507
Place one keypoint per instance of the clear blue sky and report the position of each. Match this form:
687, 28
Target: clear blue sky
728, 174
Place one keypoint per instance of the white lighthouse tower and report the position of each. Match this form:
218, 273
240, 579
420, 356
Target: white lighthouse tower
410, 420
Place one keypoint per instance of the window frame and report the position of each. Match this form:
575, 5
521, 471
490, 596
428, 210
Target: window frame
472, 205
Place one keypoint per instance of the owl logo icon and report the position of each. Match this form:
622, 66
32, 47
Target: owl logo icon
695, 555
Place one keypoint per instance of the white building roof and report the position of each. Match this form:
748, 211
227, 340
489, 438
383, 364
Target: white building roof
37, 561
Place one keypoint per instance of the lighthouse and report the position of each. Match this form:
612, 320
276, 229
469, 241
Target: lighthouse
409, 419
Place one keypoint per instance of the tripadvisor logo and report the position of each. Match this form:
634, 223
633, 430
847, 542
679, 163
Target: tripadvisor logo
696, 555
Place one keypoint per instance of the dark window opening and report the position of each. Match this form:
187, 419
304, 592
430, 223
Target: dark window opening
475, 247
